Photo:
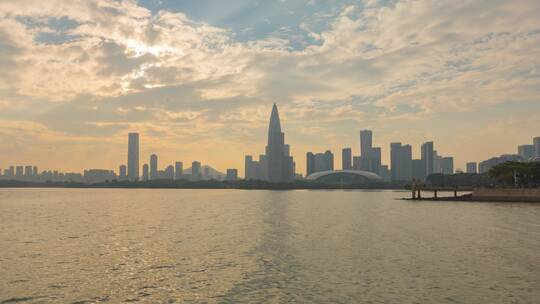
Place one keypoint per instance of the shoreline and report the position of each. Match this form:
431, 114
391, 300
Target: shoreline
211, 184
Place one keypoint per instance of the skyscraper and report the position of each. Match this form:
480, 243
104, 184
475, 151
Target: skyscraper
437, 162
366, 143
255, 170
357, 163
28, 171
319, 162
196, 171
370, 156
145, 173
385, 173
329, 160
428, 157
485, 166
418, 170
346, 159
133, 157
310, 163
280, 165
169, 172
178, 170
249, 168
19, 171
536, 143
527, 152
400, 162
375, 160
153, 166
122, 172
472, 167
447, 165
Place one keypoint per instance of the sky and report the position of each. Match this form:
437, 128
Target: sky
197, 78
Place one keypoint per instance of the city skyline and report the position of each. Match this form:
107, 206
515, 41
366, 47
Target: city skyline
195, 78
277, 165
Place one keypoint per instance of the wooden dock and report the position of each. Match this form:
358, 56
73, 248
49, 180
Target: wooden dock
417, 190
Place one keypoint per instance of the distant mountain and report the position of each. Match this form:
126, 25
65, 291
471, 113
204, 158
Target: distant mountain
213, 173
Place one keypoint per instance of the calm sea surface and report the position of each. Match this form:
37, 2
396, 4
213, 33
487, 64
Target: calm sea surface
233, 246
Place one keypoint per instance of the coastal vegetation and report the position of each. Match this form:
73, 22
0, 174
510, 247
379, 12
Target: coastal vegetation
518, 174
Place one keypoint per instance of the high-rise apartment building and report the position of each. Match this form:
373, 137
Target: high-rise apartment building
178, 170
370, 158
428, 155
310, 163
19, 171
196, 173
418, 170
447, 165
145, 173
400, 162
357, 162
527, 152
375, 160
169, 172
133, 157
28, 171
249, 168
255, 170
485, 166
346, 159
366, 143
122, 172
536, 144
319, 162
153, 166
472, 167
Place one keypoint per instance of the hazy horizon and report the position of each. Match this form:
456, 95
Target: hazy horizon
197, 79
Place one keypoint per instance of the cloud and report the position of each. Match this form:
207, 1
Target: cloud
99, 68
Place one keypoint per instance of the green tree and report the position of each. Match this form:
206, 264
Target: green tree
522, 174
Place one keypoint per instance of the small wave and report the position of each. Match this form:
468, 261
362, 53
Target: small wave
92, 300
17, 281
163, 266
21, 299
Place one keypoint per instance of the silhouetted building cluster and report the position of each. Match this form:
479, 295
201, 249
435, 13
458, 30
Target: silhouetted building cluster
530, 152
370, 157
31, 174
525, 153
484, 166
129, 172
402, 165
319, 162
277, 164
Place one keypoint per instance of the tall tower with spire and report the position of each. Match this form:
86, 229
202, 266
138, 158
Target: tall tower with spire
280, 165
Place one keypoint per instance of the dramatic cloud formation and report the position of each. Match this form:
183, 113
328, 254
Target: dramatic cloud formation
197, 78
